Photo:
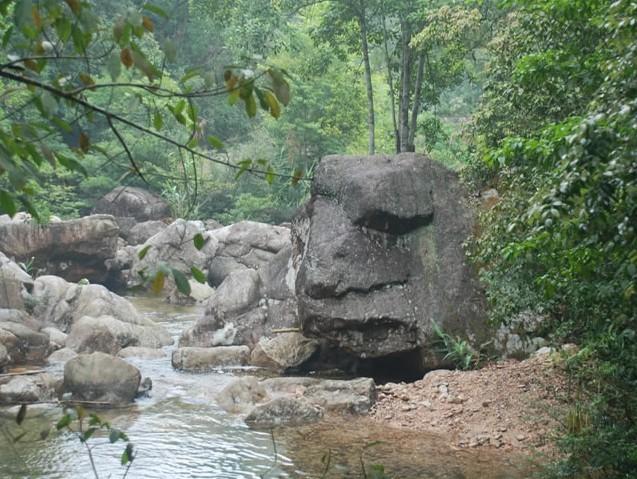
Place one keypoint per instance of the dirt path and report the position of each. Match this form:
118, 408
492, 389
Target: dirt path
511, 404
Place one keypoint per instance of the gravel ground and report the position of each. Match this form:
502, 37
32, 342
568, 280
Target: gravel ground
506, 405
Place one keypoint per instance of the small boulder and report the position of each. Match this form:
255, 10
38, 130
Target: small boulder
129, 201
141, 232
57, 337
23, 343
101, 377
283, 411
283, 351
30, 388
202, 359
241, 395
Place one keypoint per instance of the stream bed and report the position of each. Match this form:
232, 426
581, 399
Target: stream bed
180, 432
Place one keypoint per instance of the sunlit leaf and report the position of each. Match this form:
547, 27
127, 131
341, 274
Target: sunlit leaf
143, 252
215, 142
158, 282
183, 286
198, 275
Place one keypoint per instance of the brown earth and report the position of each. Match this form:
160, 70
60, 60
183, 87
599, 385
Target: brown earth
508, 405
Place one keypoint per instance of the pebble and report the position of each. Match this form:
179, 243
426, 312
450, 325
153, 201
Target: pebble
520, 437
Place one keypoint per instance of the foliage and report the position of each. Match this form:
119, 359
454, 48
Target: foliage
458, 351
560, 147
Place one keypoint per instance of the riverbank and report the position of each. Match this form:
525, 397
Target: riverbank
509, 405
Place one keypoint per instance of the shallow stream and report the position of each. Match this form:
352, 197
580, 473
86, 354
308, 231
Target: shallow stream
180, 432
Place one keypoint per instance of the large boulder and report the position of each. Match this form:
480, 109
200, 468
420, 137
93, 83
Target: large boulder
102, 378
109, 335
60, 303
248, 305
73, 249
379, 257
132, 202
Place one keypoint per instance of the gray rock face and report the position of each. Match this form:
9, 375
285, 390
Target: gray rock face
141, 232
73, 249
61, 356
5, 359
379, 256
205, 359
109, 335
100, 377
248, 304
31, 388
283, 411
128, 201
57, 337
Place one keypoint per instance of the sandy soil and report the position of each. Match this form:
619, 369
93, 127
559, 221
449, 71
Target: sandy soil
507, 405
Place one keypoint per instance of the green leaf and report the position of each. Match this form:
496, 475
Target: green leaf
181, 281
198, 275
21, 414
269, 175
215, 142
88, 433
143, 252
7, 205
158, 121
244, 165
251, 106
71, 164
64, 422
156, 10
128, 455
114, 435
158, 282
199, 241
280, 86
6, 36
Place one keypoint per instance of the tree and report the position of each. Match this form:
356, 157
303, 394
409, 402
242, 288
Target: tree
62, 56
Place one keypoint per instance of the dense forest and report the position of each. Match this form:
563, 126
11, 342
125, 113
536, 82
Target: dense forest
224, 108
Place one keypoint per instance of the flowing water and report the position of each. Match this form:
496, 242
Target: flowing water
180, 432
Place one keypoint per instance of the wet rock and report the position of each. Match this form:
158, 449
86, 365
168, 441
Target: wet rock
30, 388
283, 411
354, 396
108, 334
145, 387
61, 356
57, 337
283, 351
141, 352
128, 201
101, 377
241, 395
73, 249
379, 256
202, 359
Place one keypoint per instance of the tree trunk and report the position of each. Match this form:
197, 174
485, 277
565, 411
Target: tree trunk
411, 146
405, 83
371, 122
390, 83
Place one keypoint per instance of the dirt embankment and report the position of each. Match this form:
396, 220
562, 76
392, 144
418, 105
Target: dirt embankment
507, 405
